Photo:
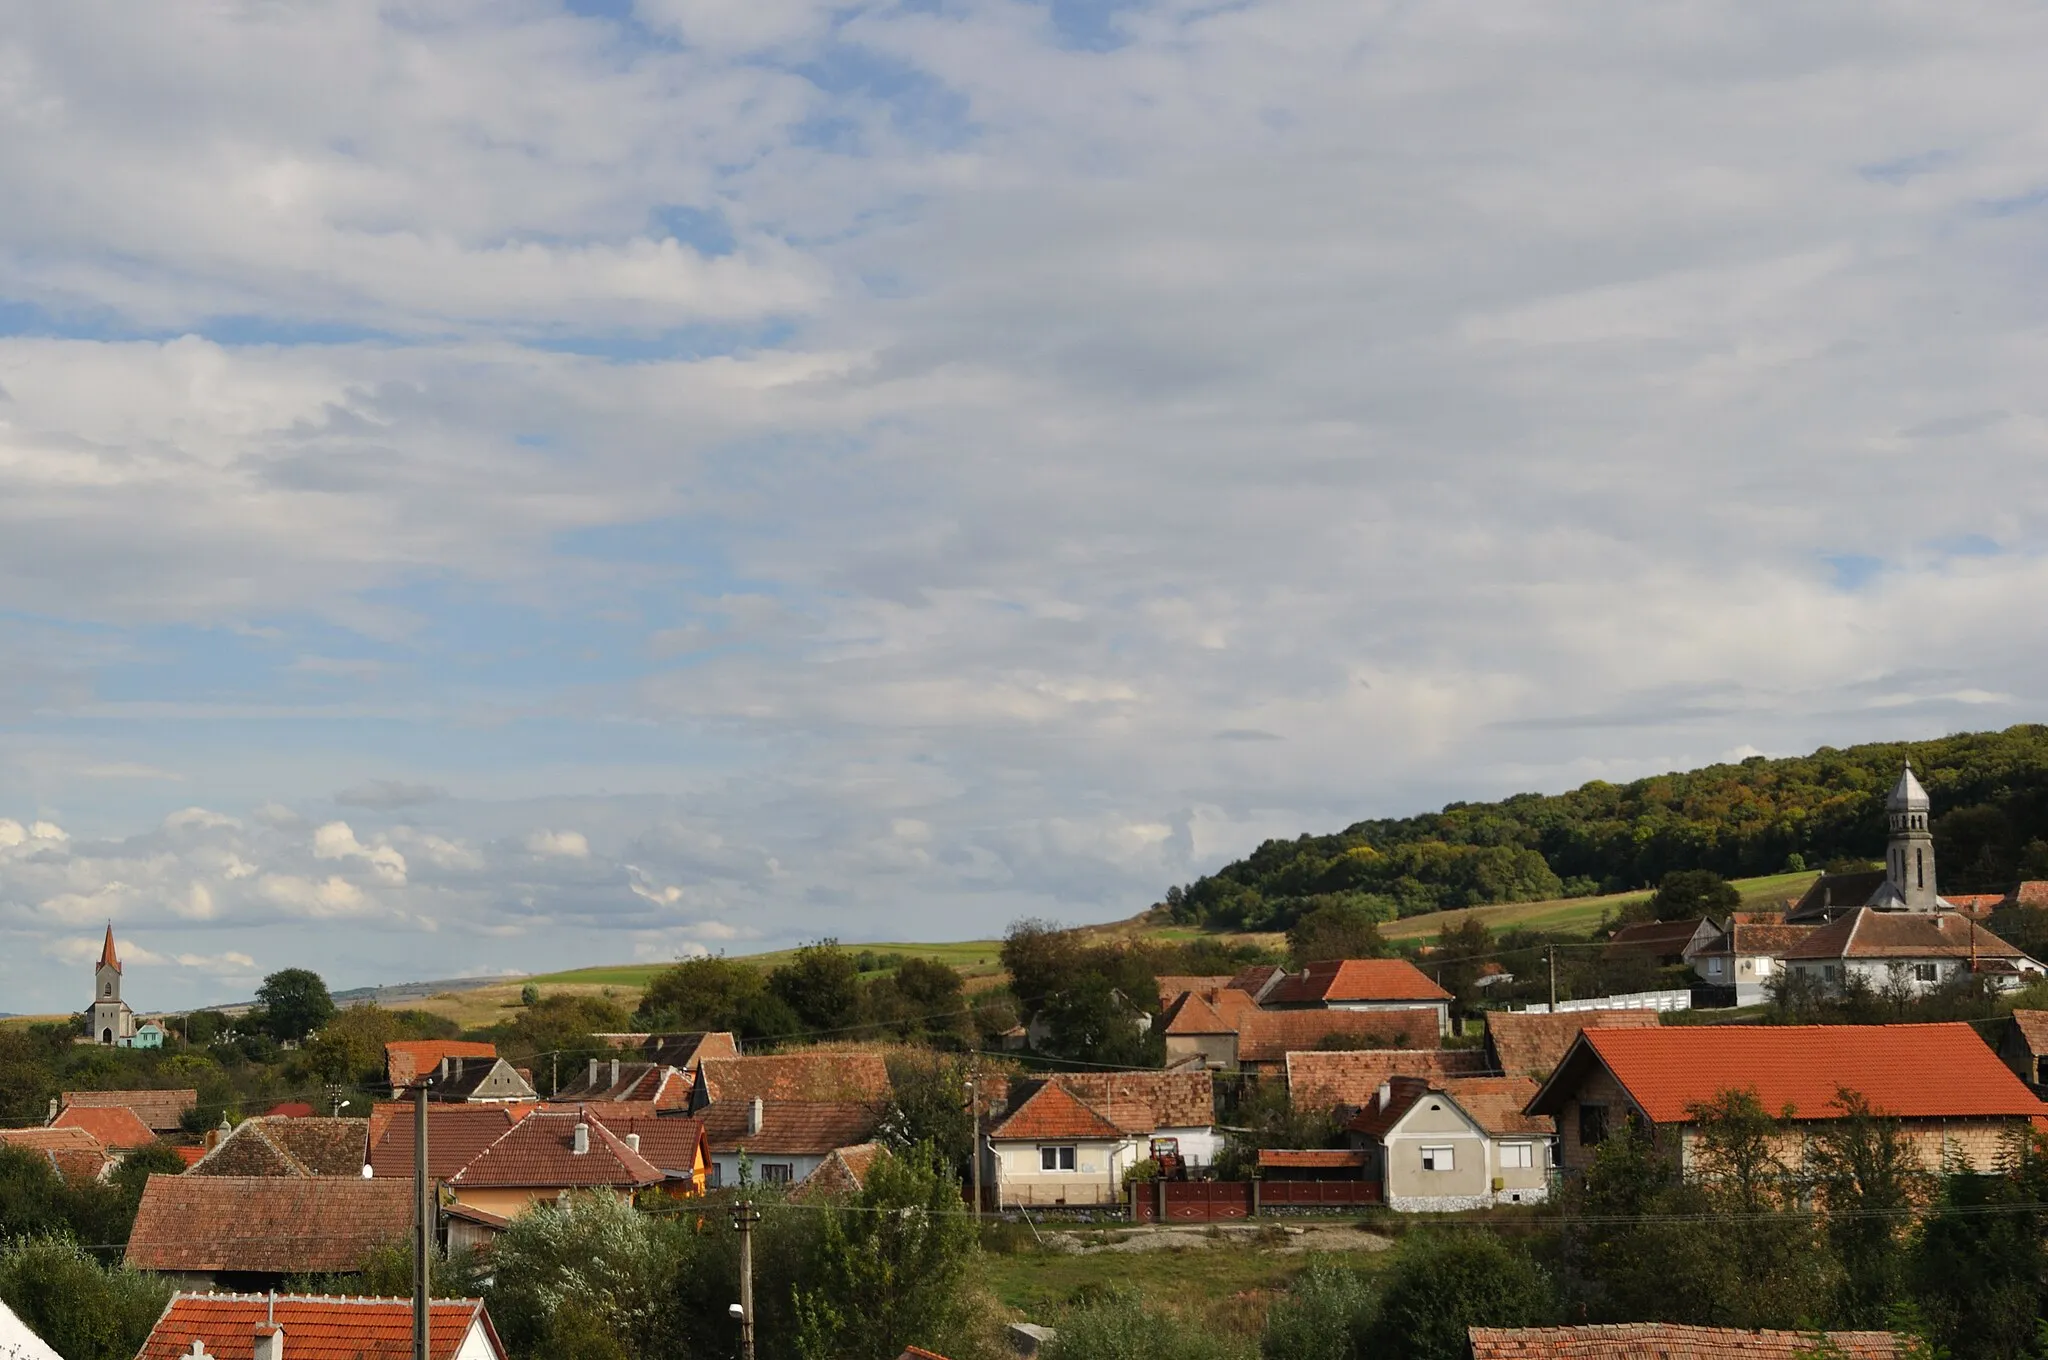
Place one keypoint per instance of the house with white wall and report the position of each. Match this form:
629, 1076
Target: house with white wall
1053, 1148
1458, 1143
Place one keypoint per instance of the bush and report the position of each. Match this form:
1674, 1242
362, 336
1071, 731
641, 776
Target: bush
1114, 1325
1328, 1315
83, 1309
1442, 1283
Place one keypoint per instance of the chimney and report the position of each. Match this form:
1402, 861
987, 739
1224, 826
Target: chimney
615, 1071
633, 1141
754, 1112
198, 1351
593, 1074
53, 1111
269, 1342
579, 1142
1385, 1096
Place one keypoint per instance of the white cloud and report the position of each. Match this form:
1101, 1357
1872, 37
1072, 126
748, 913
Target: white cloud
336, 840
558, 844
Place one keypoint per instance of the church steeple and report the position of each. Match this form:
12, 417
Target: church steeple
1909, 859
107, 957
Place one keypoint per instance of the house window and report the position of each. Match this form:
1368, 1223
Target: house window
776, 1173
1830, 972
1592, 1125
1714, 967
1926, 972
1055, 1159
715, 1179
1517, 1156
1436, 1159
1763, 967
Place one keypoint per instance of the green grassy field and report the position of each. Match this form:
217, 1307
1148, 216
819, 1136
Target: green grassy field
969, 956
1581, 914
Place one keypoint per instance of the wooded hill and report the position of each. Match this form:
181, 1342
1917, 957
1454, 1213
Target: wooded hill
1990, 792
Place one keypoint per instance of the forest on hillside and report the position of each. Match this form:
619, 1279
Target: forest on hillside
1990, 792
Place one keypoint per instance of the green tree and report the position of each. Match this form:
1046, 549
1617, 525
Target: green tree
1440, 1284
821, 985
1346, 927
1328, 1314
84, 1310
1778, 1272
715, 993
1978, 1266
1688, 893
928, 1105
1637, 1244
597, 1255
892, 1265
294, 1002
1867, 1178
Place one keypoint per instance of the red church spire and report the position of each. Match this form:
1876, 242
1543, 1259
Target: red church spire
107, 959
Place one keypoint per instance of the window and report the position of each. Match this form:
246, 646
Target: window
1592, 1125
776, 1173
1516, 1156
1920, 868
1763, 967
1055, 1159
1436, 1159
712, 1181
1926, 972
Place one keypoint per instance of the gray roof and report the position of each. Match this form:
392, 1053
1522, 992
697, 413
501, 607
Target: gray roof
1907, 795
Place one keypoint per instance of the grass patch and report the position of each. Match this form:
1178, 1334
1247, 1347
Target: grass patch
1038, 1283
1577, 915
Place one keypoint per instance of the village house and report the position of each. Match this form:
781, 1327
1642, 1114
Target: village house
316, 1327
1455, 1143
1180, 1106
251, 1232
1955, 1100
1053, 1148
827, 1074
2024, 1047
781, 1142
117, 1128
285, 1146
1906, 953
406, 1059
1746, 955
544, 1159
1360, 985
1224, 1031
1661, 944
455, 1135
1344, 1082
160, 1111
682, 1051
479, 1081
1671, 1341
1533, 1043
617, 1081
72, 1153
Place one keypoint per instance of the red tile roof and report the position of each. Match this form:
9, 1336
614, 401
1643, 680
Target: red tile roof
1654, 937
161, 1110
116, 1126
315, 1328
1496, 1104
831, 1074
1192, 1013
669, 1141
539, 1153
2031, 894
1326, 1081
1523, 1043
809, 1128
1143, 1102
188, 1153
1330, 981
290, 1109
406, 1059
1667, 1341
108, 959
1172, 985
1907, 1071
843, 1172
1053, 1112
2033, 1030
1269, 1036
274, 1224
1314, 1158
69, 1139
455, 1135
271, 1145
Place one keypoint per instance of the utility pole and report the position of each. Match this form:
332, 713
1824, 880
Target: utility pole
744, 1217
554, 1075
1553, 979
334, 1098
423, 1215
974, 1105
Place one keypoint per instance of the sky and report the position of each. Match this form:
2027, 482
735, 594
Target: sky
504, 487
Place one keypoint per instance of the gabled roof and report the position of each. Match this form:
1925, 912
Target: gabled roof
1172, 985
1906, 1071
1494, 1104
2033, 893
1832, 893
1655, 937
539, 1153
1907, 795
315, 1327
1531, 1044
1770, 939
455, 1135
618, 1081
283, 1146
2032, 1027
670, 1142
72, 1153
1053, 1112
1331, 981
460, 1078
1329, 1080
793, 1128
843, 1172
823, 1074
116, 1126
1269, 1036
1867, 934
1191, 1013
677, 1050
1668, 1341
405, 1059
1142, 1102
161, 1110
1256, 980
271, 1224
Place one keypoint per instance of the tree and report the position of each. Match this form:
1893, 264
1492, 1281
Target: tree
713, 993
350, 1047
822, 986
928, 1105
1687, 893
1327, 1315
1040, 959
1344, 927
84, 1310
1638, 1248
1442, 1283
529, 995
599, 1256
1977, 1268
891, 1265
1867, 1178
1777, 1272
295, 1003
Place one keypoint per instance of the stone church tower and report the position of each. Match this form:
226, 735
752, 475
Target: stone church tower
112, 1021
1909, 859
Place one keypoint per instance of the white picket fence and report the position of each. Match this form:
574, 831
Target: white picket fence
1677, 1000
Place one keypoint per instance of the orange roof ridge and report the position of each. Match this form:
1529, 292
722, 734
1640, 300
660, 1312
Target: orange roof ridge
108, 959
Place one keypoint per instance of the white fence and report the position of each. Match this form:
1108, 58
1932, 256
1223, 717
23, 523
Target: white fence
1678, 1000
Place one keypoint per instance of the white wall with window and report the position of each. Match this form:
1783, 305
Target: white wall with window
1081, 1172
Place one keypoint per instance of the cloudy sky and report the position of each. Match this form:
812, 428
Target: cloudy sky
515, 486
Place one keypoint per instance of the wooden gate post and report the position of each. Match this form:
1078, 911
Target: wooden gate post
1256, 1183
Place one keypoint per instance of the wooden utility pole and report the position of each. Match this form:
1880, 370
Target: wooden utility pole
423, 1220
744, 1217
1553, 979
974, 1106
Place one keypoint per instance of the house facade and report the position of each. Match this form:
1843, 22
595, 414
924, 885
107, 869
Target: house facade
781, 1142
1360, 985
1953, 1098
544, 1159
1746, 955
1462, 1143
1906, 953
1054, 1149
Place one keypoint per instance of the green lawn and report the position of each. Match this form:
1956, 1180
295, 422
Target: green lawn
971, 957
1580, 914
1039, 1283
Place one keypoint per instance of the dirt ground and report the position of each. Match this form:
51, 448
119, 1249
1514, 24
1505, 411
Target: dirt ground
1270, 1236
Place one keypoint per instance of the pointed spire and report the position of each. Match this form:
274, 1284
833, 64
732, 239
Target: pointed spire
1907, 795
107, 959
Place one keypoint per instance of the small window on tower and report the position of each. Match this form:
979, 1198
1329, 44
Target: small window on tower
1920, 868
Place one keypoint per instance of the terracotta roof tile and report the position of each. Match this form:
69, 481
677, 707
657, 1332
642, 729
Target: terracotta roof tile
1907, 1071
1770, 938
669, 1141
2033, 893
539, 1153
1329, 981
455, 1135
161, 1110
116, 1126
2033, 1028
1867, 934
315, 1328
1142, 1102
1496, 1104
405, 1059
677, 1050
1269, 1036
276, 1224
1051, 1112
1191, 1013
1253, 981
791, 1127
843, 1172
1328, 1081
1667, 1341
1172, 985
1524, 1043
1651, 937
272, 1145
188, 1153
1314, 1158
835, 1075
69, 1139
